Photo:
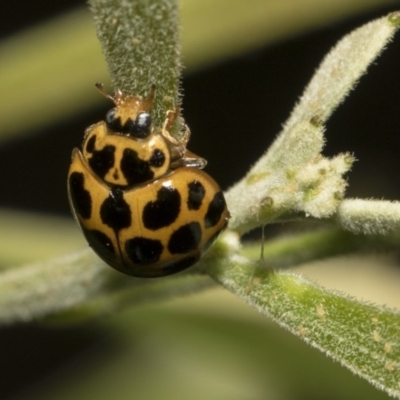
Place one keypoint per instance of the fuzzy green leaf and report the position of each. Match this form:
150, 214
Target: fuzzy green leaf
80, 285
293, 180
141, 45
362, 337
369, 216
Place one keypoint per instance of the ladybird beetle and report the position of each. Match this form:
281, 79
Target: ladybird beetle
140, 197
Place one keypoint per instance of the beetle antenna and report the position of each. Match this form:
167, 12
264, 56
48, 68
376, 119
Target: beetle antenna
100, 88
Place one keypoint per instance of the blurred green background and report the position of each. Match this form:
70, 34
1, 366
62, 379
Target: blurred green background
247, 63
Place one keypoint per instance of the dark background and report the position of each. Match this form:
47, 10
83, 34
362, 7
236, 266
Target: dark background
234, 109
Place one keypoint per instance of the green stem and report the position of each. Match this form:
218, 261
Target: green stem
80, 285
362, 337
141, 46
290, 251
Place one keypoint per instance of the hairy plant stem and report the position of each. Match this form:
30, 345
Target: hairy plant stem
140, 42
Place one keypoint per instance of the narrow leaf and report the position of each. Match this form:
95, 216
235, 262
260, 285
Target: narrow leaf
80, 285
141, 45
369, 216
362, 337
342, 68
293, 179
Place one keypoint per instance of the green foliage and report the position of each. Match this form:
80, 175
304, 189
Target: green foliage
292, 181
135, 34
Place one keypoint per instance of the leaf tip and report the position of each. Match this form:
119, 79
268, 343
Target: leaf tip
394, 18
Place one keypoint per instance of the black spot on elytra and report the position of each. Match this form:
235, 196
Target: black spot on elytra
215, 210
196, 194
157, 159
164, 211
180, 265
115, 211
143, 251
135, 169
187, 238
101, 244
80, 197
102, 160
90, 144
